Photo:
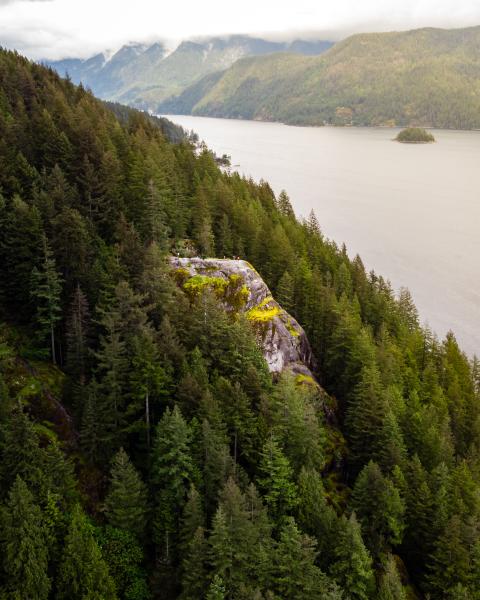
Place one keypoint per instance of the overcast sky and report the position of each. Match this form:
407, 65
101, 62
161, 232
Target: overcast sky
61, 28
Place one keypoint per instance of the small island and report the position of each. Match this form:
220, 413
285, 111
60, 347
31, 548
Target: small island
414, 135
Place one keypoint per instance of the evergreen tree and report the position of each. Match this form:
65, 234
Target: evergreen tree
24, 551
46, 288
450, 561
126, 501
315, 516
365, 417
284, 204
90, 431
21, 454
216, 591
220, 546
285, 292
379, 509
83, 573
275, 480
391, 587
193, 566
296, 575
352, 564
172, 473
77, 336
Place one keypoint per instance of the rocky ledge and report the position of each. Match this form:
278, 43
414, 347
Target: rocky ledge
284, 343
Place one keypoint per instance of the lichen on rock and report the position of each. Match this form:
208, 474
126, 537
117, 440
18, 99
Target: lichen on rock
240, 288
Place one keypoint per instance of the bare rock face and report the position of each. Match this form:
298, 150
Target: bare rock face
282, 339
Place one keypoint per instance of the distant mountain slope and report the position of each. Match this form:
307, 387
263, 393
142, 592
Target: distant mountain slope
425, 76
143, 76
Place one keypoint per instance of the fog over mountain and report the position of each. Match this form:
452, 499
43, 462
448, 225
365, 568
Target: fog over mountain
57, 29
144, 75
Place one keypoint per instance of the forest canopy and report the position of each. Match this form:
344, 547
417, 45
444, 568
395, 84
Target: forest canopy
145, 449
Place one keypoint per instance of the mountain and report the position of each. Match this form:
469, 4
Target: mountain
200, 395
428, 77
142, 76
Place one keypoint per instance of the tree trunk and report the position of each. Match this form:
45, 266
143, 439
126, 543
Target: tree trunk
52, 336
147, 418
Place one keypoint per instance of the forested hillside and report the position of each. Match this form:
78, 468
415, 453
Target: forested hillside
145, 449
144, 75
428, 77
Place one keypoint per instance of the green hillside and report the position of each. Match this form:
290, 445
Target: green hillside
428, 77
143, 76
146, 450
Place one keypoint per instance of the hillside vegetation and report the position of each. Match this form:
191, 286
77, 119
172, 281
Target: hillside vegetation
142, 76
428, 77
145, 449
415, 135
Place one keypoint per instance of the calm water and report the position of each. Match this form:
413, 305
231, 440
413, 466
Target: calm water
412, 212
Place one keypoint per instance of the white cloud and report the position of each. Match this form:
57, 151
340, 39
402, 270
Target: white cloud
59, 28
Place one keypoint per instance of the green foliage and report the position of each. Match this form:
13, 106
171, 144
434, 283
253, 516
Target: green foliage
83, 572
414, 135
24, 552
379, 509
276, 480
348, 85
124, 557
126, 502
46, 290
173, 374
352, 566
391, 587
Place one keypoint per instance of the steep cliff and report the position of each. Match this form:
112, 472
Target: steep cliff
284, 343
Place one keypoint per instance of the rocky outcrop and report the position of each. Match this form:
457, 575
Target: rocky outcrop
284, 343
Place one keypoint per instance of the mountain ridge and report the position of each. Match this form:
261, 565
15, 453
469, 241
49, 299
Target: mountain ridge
143, 75
427, 77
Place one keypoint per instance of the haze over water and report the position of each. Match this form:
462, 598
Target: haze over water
412, 212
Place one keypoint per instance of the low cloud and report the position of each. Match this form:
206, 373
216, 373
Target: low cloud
68, 28
5, 2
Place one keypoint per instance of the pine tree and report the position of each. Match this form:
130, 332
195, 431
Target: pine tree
315, 516
365, 417
285, 292
194, 574
24, 551
111, 369
172, 473
193, 517
90, 431
296, 576
21, 454
275, 480
220, 554
391, 587
77, 336
450, 561
126, 501
284, 205
216, 591
148, 380
379, 509
392, 451
46, 289
352, 564
83, 573
152, 224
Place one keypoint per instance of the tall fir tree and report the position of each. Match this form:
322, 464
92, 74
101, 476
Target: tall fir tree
24, 551
126, 504
46, 289
352, 565
83, 572
276, 480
